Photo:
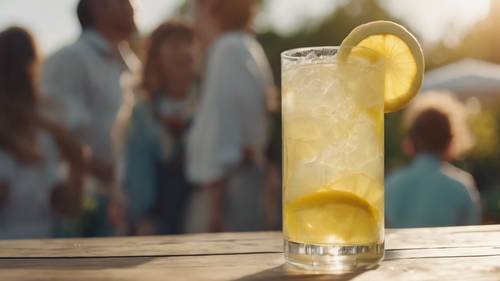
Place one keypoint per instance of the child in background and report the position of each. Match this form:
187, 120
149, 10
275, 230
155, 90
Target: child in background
430, 192
32, 188
154, 180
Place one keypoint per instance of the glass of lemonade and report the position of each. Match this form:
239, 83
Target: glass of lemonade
333, 157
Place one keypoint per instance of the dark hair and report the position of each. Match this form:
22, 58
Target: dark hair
18, 58
18, 89
151, 80
84, 13
431, 132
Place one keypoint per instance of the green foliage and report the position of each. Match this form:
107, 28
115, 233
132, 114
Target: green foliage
394, 135
484, 160
485, 127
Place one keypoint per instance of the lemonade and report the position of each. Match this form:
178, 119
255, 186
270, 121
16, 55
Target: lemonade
333, 152
333, 104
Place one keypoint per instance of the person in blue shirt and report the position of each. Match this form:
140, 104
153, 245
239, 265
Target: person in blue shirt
84, 84
153, 133
430, 192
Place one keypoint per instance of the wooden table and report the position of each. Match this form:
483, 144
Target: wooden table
459, 253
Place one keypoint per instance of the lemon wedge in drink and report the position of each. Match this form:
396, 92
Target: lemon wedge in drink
331, 216
398, 52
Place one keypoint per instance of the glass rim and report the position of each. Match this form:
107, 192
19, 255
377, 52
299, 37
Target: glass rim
330, 51
287, 54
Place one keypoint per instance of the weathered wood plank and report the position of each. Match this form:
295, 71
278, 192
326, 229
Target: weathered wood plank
231, 243
249, 267
443, 237
454, 229
463, 253
144, 246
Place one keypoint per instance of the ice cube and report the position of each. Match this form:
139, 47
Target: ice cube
302, 128
307, 178
311, 57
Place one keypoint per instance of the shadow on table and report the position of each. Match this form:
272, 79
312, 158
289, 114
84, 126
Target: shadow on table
284, 272
73, 263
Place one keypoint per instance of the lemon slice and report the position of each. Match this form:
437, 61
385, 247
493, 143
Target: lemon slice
331, 216
399, 52
362, 186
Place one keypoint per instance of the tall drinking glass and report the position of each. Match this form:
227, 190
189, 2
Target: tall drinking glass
333, 157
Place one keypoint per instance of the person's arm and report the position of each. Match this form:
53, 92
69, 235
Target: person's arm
65, 83
70, 147
19, 147
79, 157
67, 196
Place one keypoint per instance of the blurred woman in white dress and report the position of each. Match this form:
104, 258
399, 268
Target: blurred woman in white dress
229, 134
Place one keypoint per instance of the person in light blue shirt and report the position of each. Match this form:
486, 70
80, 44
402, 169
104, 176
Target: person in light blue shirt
154, 132
85, 84
430, 192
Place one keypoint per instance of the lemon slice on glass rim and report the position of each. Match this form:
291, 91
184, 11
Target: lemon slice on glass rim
398, 51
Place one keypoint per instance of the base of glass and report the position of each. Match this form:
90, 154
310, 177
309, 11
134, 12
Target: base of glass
333, 259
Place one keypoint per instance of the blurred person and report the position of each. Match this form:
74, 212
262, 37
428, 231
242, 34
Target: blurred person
228, 138
154, 177
431, 192
86, 82
33, 188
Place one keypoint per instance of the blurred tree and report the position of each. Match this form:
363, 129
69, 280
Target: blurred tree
486, 131
329, 32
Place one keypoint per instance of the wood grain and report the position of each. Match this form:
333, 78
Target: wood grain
204, 244
252, 267
233, 243
458, 253
470, 236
